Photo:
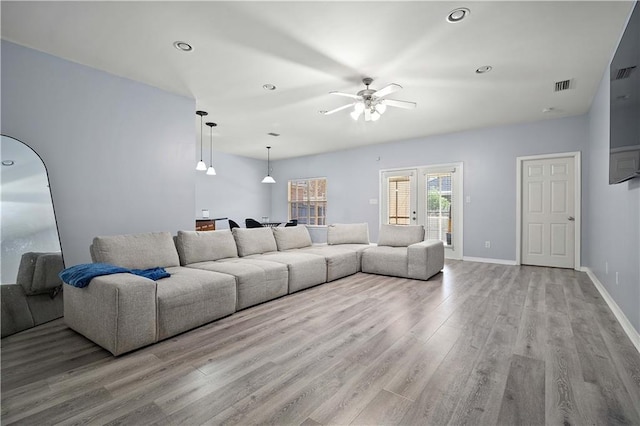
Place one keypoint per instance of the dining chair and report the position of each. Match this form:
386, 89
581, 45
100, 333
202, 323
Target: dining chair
252, 223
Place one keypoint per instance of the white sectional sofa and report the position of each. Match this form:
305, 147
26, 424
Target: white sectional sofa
216, 273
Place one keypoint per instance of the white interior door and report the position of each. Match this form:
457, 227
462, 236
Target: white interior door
548, 212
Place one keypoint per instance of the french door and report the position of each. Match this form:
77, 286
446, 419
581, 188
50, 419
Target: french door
428, 196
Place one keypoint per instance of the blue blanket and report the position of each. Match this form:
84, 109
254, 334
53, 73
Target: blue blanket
80, 275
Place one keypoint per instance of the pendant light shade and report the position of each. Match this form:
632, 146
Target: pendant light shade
201, 166
211, 171
268, 178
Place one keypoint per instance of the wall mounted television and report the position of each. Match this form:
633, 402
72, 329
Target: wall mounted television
624, 110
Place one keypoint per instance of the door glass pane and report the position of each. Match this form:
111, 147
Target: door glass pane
399, 200
439, 224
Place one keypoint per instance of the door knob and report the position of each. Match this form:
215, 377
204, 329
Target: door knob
571, 218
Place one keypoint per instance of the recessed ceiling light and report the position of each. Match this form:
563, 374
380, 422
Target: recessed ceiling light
323, 111
457, 15
8, 162
273, 134
484, 69
269, 86
548, 109
183, 45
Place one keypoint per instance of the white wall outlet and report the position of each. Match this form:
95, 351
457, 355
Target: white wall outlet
617, 279
606, 268
487, 244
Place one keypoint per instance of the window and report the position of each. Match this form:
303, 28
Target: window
308, 201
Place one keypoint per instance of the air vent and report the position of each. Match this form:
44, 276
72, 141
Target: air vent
563, 85
624, 73
273, 134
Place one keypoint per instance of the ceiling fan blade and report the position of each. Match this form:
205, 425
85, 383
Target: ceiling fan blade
400, 104
387, 90
348, 95
338, 109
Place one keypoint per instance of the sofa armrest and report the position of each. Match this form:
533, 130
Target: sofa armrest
118, 312
425, 259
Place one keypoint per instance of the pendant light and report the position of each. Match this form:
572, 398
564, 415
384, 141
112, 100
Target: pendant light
201, 166
268, 178
211, 171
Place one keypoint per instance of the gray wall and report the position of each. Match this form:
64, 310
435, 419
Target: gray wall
489, 158
612, 228
120, 154
236, 191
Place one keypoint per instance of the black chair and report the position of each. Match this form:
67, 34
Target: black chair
292, 222
252, 223
233, 224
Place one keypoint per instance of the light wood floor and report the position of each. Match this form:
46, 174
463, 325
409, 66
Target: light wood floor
479, 344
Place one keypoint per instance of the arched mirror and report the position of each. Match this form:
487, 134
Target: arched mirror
30, 249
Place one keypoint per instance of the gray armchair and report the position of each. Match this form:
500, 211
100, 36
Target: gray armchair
402, 252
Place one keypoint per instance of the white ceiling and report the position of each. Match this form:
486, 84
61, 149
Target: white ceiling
308, 49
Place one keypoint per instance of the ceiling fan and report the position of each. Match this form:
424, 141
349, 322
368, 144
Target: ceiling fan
371, 102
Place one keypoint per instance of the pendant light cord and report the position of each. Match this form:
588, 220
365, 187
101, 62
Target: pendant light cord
200, 137
268, 160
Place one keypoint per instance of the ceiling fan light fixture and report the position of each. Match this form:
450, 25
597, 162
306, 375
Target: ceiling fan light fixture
370, 102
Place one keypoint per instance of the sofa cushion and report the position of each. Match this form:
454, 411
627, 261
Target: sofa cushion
292, 237
348, 233
400, 235
305, 269
137, 251
257, 281
191, 298
385, 260
340, 262
202, 246
254, 241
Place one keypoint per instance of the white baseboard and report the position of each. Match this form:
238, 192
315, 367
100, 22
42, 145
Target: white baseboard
489, 260
620, 316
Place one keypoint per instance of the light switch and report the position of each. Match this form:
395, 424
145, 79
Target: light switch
373, 201
468, 199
